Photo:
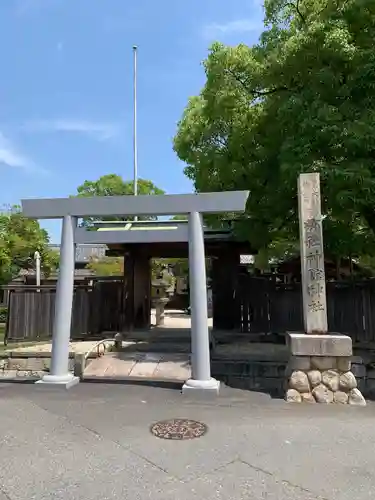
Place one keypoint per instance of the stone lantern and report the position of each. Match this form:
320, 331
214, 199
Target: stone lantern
161, 292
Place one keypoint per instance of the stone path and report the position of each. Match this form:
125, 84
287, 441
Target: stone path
161, 366
161, 353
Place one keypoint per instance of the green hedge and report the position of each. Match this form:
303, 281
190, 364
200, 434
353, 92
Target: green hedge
3, 314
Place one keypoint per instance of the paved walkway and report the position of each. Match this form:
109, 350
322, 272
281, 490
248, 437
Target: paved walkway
161, 353
94, 442
161, 366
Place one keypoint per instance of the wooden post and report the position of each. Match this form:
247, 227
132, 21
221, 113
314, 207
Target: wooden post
128, 297
224, 305
142, 287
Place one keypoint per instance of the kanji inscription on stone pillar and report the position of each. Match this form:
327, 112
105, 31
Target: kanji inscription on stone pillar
312, 254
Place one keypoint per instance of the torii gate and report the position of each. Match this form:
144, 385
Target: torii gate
70, 209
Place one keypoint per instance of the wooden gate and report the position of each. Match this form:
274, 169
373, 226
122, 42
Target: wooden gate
285, 307
252, 297
224, 293
106, 305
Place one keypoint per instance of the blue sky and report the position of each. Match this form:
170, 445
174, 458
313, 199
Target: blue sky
66, 87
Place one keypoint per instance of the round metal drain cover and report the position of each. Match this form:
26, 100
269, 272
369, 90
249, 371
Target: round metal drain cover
179, 428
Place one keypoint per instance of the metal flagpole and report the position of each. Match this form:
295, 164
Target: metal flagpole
135, 146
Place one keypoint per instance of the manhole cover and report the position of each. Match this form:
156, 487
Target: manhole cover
179, 428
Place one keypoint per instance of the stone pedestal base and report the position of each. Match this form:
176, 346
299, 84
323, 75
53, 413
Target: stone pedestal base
201, 389
319, 370
57, 381
159, 315
79, 364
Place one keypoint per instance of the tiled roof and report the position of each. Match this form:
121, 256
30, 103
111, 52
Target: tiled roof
85, 252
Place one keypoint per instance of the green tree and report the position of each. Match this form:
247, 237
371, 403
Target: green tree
107, 266
115, 185
302, 99
179, 217
20, 238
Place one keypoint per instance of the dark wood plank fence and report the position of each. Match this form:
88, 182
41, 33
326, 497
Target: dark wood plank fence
96, 309
252, 305
265, 306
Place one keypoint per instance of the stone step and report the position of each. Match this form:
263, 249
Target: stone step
160, 347
155, 365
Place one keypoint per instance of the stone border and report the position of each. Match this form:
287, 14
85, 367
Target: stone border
319, 370
322, 380
26, 364
334, 345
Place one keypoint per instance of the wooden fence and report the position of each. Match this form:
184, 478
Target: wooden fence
247, 304
264, 306
96, 309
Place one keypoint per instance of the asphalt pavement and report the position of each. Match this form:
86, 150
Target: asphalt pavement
94, 442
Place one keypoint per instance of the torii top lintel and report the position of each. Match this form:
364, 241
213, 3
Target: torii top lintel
55, 208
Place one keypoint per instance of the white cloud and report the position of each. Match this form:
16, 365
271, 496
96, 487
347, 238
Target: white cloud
11, 157
96, 130
233, 27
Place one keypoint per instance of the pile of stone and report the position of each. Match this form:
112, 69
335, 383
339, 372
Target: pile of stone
322, 380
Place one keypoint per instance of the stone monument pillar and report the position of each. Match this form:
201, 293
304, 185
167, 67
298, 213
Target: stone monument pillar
312, 255
319, 368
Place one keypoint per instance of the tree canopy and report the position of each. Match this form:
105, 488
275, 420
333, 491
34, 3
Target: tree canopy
302, 99
115, 185
20, 238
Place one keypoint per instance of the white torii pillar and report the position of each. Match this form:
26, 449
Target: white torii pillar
200, 341
59, 369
